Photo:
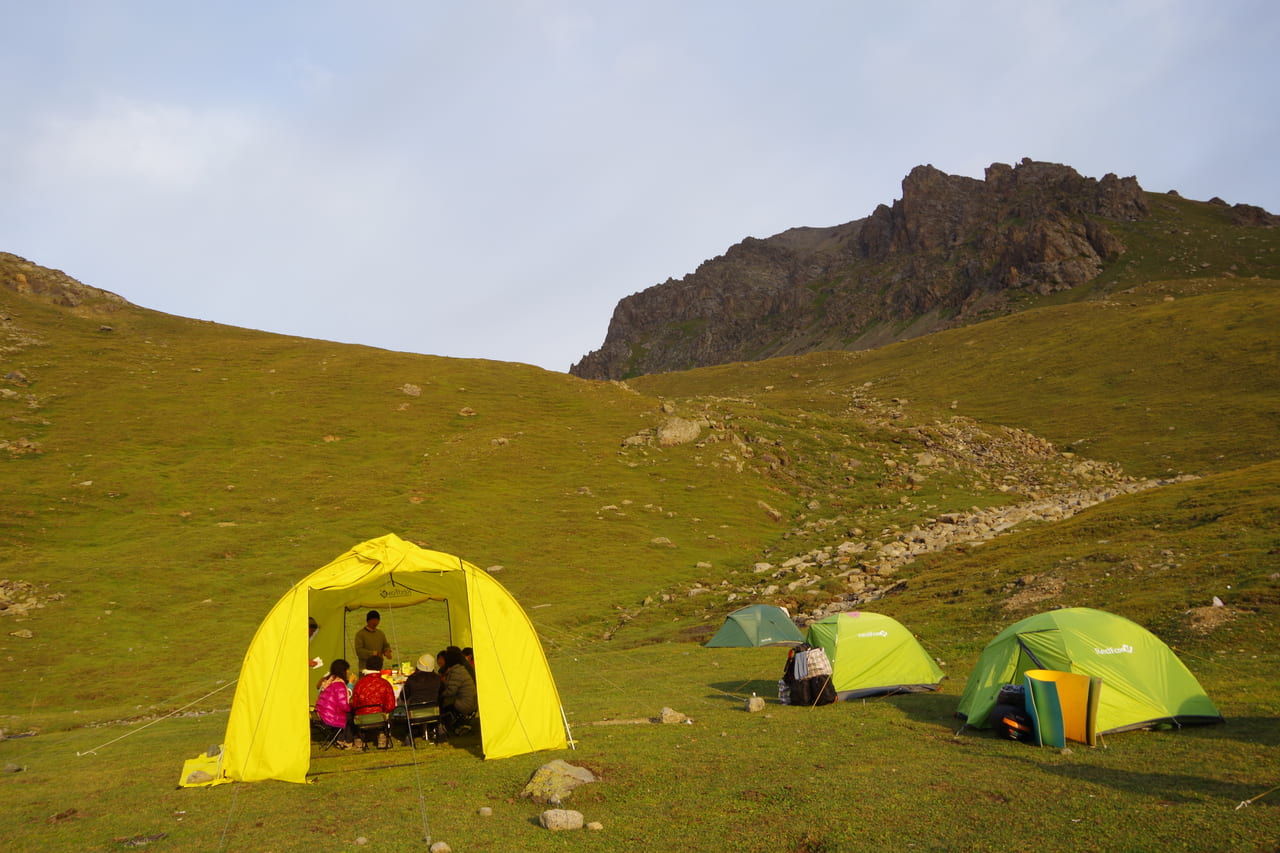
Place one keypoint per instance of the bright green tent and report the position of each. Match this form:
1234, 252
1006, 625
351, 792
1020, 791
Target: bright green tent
757, 625
873, 654
1143, 682
268, 732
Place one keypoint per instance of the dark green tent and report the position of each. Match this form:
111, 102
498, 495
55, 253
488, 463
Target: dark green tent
757, 625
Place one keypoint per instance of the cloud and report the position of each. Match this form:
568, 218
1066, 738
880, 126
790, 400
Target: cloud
153, 146
489, 180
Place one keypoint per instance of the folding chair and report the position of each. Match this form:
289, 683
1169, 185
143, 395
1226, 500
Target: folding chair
327, 735
426, 715
375, 724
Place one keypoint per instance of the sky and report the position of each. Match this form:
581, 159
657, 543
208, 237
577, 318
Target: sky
488, 179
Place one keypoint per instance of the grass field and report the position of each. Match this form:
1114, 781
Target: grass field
163, 481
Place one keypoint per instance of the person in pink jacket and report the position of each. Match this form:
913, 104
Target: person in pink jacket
333, 705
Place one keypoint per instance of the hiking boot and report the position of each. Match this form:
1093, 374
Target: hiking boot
382, 740
359, 743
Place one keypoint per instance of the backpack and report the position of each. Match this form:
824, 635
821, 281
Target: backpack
1012, 722
823, 691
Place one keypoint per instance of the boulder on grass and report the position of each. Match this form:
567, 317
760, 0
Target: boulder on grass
558, 819
552, 783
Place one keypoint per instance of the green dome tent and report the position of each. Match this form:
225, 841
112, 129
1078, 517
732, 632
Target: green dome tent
757, 625
268, 730
873, 654
1143, 682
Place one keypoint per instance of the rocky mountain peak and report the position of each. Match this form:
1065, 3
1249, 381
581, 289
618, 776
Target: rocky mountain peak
943, 251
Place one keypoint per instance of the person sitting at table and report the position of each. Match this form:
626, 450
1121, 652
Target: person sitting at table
422, 687
466, 660
373, 694
339, 670
458, 699
333, 705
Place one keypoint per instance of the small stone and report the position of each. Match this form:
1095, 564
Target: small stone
595, 826
13, 768
484, 811
560, 819
669, 716
754, 704
440, 847
362, 841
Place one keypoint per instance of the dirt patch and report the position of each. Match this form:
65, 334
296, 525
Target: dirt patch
1204, 620
1032, 591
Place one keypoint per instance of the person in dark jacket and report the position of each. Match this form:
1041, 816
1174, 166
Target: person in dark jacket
458, 699
422, 687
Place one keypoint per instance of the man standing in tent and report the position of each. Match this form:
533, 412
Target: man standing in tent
371, 641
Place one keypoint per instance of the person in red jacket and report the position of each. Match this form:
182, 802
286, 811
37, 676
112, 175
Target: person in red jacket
373, 693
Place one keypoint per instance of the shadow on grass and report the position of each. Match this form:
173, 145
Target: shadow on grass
736, 691
938, 708
332, 762
1263, 731
1163, 787
934, 708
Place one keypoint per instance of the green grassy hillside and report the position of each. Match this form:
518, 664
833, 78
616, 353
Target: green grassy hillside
163, 481
1177, 376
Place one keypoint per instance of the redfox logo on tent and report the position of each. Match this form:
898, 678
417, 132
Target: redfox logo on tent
1126, 649
874, 634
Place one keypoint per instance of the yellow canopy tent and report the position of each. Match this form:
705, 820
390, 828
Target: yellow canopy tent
268, 732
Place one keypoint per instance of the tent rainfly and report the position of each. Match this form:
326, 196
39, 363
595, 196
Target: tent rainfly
873, 654
757, 625
1143, 682
268, 731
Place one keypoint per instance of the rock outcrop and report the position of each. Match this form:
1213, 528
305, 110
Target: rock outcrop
49, 285
949, 250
